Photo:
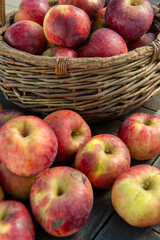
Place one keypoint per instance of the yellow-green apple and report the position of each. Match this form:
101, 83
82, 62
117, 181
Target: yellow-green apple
141, 133
131, 19
7, 114
28, 145
14, 185
103, 42
15, 221
91, 7
135, 195
60, 52
33, 10
102, 159
1, 193
71, 131
144, 40
66, 26
99, 20
61, 200
27, 36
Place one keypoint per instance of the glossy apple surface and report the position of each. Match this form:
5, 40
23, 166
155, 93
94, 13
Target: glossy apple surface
27, 36
15, 221
61, 200
135, 195
8, 114
33, 10
131, 19
103, 42
28, 146
91, 7
102, 159
141, 133
66, 26
71, 131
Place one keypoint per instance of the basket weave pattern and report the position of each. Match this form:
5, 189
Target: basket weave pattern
97, 88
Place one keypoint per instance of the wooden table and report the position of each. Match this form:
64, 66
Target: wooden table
104, 223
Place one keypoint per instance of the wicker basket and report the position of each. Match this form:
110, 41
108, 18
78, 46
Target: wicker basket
97, 88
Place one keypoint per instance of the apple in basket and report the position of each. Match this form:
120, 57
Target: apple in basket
89, 6
1, 193
8, 114
28, 145
15, 221
135, 195
103, 42
144, 40
71, 131
130, 19
66, 25
102, 159
60, 52
34, 10
27, 36
61, 200
16, 186
141, 133
99, 20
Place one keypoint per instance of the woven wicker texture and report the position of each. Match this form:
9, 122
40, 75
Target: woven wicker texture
97, 88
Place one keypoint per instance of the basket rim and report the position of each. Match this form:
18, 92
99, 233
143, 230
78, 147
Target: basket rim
81, 62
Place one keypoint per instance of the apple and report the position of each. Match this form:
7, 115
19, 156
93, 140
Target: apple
131, 19
144, 40
1, 193
141, 133
71, 131
27, 36
66, 26
60, 52
102, 159
34, 10
106, 3
99, 20
103, 42
15, 221
135, 195
28, 145
61, 200
7, 114
16, 186
91, 7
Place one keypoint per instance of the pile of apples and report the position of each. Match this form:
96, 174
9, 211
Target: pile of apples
55, 163
86, 28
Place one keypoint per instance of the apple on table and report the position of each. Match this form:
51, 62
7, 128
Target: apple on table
15, 221
61, 200
135, 195
141, 133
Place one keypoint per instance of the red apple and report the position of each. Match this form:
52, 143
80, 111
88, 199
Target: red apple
131, 19
141, 133
144, 40
16, 186
1, 194
135, 195
71, 131
7, 114
27, 36
15, 221
99, 20
103, 42
34, 10
102, 159
61, 200
91, 7
60, 52
66, 26
28, 145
